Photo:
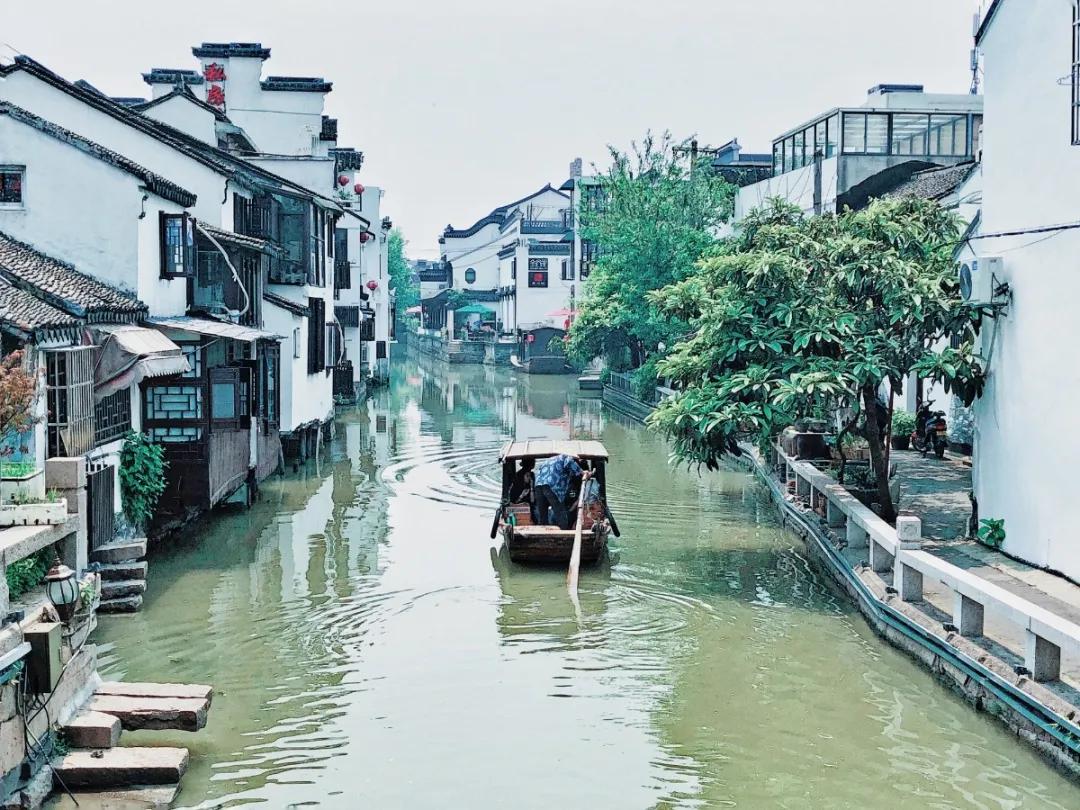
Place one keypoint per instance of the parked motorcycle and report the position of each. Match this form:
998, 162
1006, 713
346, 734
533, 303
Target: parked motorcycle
931, 430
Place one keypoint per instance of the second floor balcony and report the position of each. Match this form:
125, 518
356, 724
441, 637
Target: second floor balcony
543, 226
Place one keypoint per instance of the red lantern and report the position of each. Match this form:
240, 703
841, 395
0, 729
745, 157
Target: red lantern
364, 236
342, 180
373, 285
358, 188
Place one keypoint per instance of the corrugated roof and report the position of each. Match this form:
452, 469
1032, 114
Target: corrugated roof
241, 240
62, 286
206, 326
284, 303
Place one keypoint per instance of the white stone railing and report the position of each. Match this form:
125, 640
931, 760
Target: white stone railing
898, 550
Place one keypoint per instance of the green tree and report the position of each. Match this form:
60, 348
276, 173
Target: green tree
653, 219
808, 316
407, 292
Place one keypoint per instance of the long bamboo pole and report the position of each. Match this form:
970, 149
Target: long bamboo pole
575, 554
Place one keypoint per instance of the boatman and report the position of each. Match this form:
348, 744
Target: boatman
555, 477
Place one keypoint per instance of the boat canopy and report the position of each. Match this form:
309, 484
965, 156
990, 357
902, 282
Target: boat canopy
544, 448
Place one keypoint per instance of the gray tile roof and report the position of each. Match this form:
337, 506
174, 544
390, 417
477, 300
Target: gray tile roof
172, 76
22, 312
62, 286
223, 50
301, 84
933, 184
156, 183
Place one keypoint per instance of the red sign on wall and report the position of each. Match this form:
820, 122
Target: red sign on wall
215, 95
214, 72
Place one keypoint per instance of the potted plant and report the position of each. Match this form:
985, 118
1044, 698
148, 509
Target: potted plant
23, 500
903, 424
25, 510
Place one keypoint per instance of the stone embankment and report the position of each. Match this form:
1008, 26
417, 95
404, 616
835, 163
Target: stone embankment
1007, 655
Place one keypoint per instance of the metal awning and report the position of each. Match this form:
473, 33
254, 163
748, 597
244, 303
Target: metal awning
128, 354
207, 326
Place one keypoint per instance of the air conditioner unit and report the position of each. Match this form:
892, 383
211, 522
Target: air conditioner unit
978, 277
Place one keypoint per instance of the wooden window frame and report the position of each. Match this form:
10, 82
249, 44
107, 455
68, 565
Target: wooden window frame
187, 245
7, 170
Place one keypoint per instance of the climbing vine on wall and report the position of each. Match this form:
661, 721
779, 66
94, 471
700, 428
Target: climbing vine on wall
142, 478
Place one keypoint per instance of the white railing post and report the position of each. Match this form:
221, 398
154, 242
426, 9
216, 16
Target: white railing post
967, 615
880, 558
857, 536
1042, 658
834, 515
907, 581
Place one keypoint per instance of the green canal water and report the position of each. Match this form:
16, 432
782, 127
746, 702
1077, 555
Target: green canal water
371, 649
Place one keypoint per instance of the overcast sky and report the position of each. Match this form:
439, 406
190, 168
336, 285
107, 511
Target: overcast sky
461, 106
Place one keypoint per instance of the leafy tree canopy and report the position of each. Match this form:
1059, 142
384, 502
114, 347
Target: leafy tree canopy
408, 293
652, 217
801, 316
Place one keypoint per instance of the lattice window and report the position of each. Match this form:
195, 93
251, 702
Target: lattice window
175, 435
70, 401
166, 403
112, 417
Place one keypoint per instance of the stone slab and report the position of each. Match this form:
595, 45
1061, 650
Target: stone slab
123, 604
194, 691
179, 714
121, 767
118, 552
93, 730
125, 570
134, 798
119, 588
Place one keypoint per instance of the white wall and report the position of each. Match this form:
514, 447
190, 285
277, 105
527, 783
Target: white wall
54, 105
187, 116
278, 122
87, 212
797, 187
1026, 440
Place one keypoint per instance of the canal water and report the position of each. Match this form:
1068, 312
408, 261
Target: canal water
371, 648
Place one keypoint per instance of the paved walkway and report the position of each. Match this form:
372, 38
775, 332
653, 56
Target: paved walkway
937, 490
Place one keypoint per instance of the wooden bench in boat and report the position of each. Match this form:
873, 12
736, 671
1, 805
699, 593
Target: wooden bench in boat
550, 543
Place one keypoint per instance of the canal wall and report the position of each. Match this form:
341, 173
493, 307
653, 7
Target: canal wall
883, 571
887, 588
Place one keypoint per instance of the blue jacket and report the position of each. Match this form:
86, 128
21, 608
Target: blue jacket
557, 473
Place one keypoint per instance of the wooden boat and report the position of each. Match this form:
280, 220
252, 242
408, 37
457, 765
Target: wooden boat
528, 543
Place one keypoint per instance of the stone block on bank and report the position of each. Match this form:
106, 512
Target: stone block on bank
122, 767
120, 551
93, 730
177, 713
65, 473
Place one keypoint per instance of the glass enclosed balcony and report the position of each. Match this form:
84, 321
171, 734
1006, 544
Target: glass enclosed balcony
871, 132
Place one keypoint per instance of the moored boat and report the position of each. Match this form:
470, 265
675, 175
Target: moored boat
527, 542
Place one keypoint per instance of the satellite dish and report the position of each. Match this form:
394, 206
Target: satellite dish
965, 281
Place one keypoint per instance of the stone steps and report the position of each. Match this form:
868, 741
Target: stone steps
124, 570
117, 588
137, 689
119, 551
121, 767
181, 707
123, 604
141, 797
90, 729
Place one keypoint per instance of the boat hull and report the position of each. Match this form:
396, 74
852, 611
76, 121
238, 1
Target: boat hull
548, 545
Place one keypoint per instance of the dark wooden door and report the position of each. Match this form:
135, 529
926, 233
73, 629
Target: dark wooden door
100, 494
